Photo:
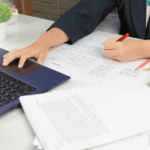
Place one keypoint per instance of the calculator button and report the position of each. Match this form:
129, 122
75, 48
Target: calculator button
1, 104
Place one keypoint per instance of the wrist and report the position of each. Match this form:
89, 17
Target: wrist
52, 38
43, 42
144, 46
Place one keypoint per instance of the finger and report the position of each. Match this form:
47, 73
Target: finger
22, 60
10, 53
110, 39
41, 57
4, 59
4, 56
10, 58
111, 45
110, 53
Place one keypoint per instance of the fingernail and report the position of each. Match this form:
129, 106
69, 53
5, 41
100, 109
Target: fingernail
19, 65
4, 63
41, 63
4, 55
4, 59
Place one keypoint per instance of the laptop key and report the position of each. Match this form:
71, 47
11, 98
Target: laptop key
26, 86
12, 98
1, 104
16, 94
31, 89
2, 85
1, 79
6, 95
6, 82
6, 76
2, 92
11, 84
2, 99
6, 88
15, 87
21, 84
6, 102
22, 91
11, 91
17, 81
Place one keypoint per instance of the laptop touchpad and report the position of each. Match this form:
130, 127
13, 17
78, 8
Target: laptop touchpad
27, 68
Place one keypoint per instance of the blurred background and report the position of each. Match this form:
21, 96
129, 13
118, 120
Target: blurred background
54, 9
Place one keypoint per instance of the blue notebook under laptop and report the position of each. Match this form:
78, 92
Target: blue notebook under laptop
31, 79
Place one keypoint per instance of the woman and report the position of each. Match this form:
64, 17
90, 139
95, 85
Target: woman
83, 18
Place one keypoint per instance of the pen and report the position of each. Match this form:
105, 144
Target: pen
143, 64
123, 37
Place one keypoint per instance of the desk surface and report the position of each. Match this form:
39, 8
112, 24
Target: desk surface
15, 131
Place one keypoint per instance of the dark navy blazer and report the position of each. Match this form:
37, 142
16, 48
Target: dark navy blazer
84, 17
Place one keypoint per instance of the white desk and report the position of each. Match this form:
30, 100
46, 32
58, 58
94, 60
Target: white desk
15, 131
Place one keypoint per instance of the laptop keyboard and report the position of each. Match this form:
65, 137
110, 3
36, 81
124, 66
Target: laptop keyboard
11, 88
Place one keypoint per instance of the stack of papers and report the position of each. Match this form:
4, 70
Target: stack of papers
138, 142
88, 117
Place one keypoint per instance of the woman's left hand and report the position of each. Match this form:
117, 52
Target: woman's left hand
126, 50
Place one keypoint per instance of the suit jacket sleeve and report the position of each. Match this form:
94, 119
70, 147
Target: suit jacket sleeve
83, 18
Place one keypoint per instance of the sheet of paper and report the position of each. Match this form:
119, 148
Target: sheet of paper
103, 71
138, 142
86, 60
37, 143
77, 120
128, 71
78, 58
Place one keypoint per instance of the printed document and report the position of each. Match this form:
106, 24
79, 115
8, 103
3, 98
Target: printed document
138, 142
76, 59
76, 119
85, 59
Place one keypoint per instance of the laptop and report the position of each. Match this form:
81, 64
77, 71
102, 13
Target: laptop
31, 79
